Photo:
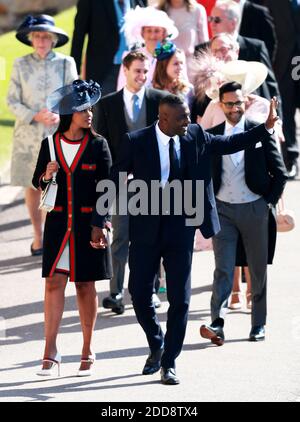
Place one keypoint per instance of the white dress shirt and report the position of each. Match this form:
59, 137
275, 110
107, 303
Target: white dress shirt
163, 147
127, 97
237, 157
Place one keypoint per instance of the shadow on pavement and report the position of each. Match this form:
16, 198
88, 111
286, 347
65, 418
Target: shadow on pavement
22, 264
44, 394
71, 324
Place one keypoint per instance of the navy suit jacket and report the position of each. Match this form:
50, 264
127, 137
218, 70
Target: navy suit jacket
139, 155
98, 20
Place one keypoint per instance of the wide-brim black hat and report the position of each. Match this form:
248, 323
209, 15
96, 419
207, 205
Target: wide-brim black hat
40, 23
77, 96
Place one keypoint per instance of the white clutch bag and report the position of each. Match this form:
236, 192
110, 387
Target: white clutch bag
48, 196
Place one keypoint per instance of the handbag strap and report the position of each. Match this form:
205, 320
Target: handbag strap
280, 205
52, 154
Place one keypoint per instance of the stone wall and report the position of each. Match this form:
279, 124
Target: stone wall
13, 11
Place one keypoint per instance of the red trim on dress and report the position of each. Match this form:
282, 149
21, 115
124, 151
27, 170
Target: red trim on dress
68, 141
79, 152
88, 166
62, 247
61, 271
69, 170
86, 209
58, 208
72, 257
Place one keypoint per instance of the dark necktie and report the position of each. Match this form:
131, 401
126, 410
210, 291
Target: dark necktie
174, 162
122, 6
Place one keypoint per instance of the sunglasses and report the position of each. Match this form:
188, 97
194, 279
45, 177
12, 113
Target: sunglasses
215, 19
229, 104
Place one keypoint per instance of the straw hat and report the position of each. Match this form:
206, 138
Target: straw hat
249, 74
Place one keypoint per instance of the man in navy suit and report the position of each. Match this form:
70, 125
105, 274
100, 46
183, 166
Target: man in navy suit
171, 149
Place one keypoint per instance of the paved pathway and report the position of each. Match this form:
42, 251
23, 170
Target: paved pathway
238, 371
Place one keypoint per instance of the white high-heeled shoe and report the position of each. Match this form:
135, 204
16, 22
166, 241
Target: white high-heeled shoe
87, 372
56, 361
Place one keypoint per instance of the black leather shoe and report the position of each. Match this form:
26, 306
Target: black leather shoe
114, 302
152, 364
257, 333
168, 376
214, 334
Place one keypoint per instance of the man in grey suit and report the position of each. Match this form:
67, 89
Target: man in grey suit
133, 107
247, 186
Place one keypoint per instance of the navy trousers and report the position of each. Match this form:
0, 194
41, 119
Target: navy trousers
175, 246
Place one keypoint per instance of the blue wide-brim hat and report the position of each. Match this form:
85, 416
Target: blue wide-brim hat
40, 23
77, 96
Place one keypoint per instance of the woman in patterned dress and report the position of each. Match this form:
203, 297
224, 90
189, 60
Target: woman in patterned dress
33, 78
74, 243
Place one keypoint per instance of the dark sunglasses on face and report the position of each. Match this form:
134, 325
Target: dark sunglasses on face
229, 104
215, 19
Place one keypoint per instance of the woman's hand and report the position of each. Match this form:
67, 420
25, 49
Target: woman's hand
46, 117
52, 167
98, 238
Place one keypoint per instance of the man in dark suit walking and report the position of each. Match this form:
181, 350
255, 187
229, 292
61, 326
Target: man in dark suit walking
286, 15
115, 117
102, 21
247, 186
171, 150
256, 22
227, 18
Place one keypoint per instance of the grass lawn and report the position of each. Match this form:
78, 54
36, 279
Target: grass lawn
10, 48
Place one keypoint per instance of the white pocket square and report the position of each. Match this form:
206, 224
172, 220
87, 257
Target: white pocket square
258, 145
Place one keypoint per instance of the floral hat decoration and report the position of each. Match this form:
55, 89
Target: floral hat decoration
164, 50
77, 96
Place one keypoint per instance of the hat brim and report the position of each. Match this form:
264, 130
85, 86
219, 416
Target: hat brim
62, 101
140, 17
249, 74
22, 34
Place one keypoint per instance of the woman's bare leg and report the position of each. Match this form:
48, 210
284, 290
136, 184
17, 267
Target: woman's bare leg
32, 200
87, 301
53, 308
